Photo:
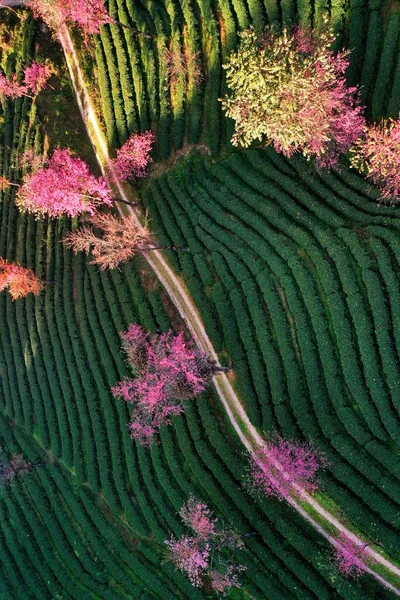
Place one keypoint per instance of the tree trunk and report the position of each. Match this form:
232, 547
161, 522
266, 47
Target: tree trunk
135, 31
162, 247
125, 201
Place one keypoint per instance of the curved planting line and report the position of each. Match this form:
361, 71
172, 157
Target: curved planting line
247, 433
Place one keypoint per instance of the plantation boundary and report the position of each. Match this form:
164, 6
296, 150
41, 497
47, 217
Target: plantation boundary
247, 433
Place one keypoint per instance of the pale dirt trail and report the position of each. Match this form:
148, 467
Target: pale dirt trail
247, 433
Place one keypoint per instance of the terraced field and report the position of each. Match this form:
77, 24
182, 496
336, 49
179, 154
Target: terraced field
296, 275
133, 70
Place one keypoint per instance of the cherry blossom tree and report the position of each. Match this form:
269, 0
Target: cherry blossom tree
35, 79
111, 240
196, 555
19, 281
376, 155
281, 465
18, 466
36, 76
350, 557
11, 88
168, 371
64, 186
88, 15
134, 156
289, 90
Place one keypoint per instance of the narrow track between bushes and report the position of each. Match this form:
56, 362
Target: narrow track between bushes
311, 510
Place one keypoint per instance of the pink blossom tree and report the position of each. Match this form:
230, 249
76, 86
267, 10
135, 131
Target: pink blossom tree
18, 466
168, 371
64, 186
134, 156
350, 557
35, 79
36, 76
195, 555
281, 466
289, 90
88, 15
376, 155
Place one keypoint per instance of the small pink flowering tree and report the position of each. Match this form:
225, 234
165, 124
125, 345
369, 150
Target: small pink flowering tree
376, 155
195, 555
17, 467
88, 15
282, 467
37, 75
35, 79
168, 371
350, 557
134, 156
63, 186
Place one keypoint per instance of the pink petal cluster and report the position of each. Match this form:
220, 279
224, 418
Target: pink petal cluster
281, 465
90, 15
195, 555
11, 89
19, 281
168, 371
134, 156
350, 557
36, 76
63, 187
377, 155
197, 516
188, 555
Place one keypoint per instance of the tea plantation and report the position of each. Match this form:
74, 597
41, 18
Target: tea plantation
296, 275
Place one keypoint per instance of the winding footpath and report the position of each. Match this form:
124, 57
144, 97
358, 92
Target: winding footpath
180, 297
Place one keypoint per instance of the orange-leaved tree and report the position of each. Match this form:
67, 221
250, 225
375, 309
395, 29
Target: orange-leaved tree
19, 281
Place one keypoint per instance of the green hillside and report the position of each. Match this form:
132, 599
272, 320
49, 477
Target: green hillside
296, 276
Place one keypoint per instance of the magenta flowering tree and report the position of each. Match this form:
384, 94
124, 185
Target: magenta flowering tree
196, 555
35, 79
133, 157
376, 155
88, 15
169, 370
17, 467
350, 557
63, 186
281, 467
37, 75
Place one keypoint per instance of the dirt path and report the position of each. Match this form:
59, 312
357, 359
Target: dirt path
179, 295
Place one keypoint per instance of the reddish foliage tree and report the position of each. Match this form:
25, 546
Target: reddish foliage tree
281, 464
64, 186
169, 370
18, 466
350, 557
119, 239
134, 156
20, 281
194, 555
377, 156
